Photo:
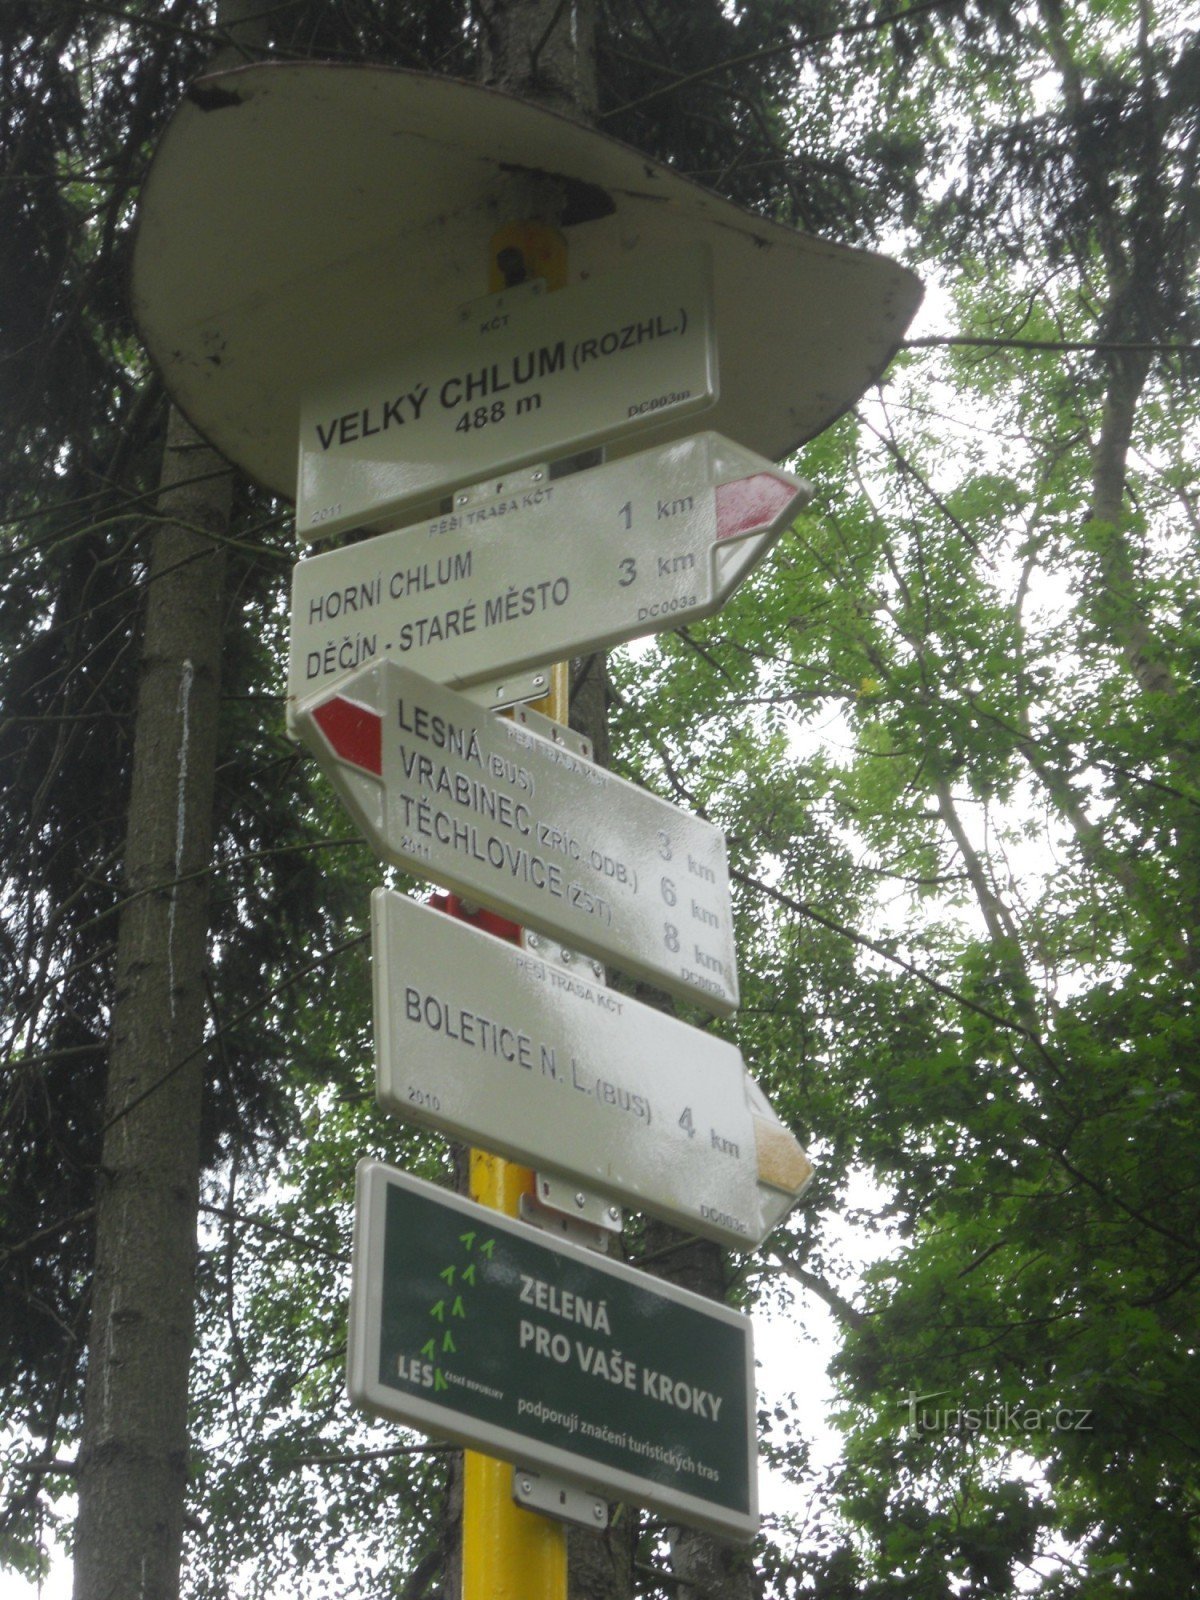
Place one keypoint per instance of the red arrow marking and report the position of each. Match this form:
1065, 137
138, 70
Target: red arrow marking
748, 504
489, 921
355, 732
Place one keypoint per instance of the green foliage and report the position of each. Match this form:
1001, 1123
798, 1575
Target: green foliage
949, 728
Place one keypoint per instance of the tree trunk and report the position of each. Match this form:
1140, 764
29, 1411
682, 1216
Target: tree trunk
709, 1568
1117, 600
543, 51
133, 1458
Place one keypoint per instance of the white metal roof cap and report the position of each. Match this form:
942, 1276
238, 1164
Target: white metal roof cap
301, 220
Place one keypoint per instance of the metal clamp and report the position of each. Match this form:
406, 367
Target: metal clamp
510, 690
558, 1204
570, 1200
556, 732
554, 1497
515, 686
563, 1224
518, 481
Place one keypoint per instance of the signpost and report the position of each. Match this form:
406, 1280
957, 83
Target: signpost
518, 377
533, 570
511, 819
362, 201
476, 1328
492, 1044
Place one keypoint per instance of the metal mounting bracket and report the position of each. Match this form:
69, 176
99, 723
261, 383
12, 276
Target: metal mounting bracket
557, 955
515, 687
510, 690
565, 1502
566, 1225
556, 732
569, 1200
558, 1204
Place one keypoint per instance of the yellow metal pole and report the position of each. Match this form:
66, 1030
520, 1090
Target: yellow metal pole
509, 1553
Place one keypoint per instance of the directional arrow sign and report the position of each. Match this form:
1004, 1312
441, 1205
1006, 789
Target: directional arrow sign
531, 571
516, 822
517, 377
473, 1327
546, 1066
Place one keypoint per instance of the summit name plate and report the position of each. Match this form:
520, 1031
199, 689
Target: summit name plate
522, 376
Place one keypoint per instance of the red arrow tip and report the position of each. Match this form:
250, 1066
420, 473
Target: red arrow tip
747, 504
355, 732
489, 921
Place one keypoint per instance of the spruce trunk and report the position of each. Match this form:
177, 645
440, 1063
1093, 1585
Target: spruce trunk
133, 1460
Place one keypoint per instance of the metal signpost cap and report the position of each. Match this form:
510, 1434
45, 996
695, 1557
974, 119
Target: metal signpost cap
346, 208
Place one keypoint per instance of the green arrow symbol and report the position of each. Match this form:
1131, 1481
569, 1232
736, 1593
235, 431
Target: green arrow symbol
447, 1275
448, 1343
429, 1348
469, 1274
438, 1311
486, 1249
467, 1238
458, 1309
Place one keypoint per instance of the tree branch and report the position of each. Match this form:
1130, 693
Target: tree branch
940, 340
787, 47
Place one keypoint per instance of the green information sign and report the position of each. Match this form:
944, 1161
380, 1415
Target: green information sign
468, 1325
